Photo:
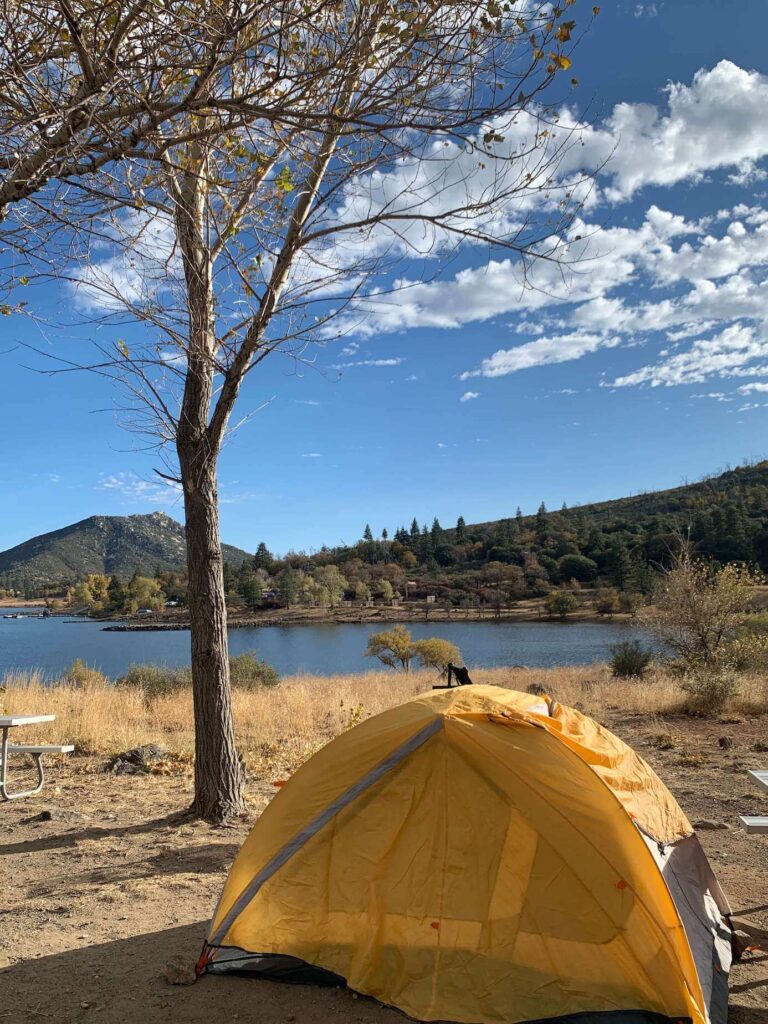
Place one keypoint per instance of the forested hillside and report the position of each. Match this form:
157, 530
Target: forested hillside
614, 545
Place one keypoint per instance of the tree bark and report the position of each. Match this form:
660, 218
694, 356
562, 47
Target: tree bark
219, 775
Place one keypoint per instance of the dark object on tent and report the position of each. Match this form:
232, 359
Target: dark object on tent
481, 857
457, 672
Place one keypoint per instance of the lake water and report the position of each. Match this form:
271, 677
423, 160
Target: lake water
51, 645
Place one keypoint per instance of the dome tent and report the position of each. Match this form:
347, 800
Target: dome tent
479, 855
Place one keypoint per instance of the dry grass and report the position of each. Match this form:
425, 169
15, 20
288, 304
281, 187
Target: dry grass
281, 727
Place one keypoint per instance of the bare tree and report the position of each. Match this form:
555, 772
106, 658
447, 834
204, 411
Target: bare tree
699, 607
414, 129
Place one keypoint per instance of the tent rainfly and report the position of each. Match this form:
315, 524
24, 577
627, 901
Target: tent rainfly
486, 856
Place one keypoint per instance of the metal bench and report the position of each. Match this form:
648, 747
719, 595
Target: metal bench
756, 823
36, 751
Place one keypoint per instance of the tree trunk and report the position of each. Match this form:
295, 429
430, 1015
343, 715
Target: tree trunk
219, 775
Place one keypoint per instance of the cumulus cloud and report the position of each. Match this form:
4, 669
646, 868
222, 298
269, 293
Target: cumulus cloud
468, 396
734, 351
559, 349
714, 123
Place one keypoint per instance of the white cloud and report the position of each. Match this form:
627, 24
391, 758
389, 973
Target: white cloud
468, 396
133, 488
370, 362
748, 389
559, 349
306, 401
311, 455
716, 122
732, 352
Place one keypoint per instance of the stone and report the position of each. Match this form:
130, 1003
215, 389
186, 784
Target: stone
707, 825
137, 761
57, 814
179, 972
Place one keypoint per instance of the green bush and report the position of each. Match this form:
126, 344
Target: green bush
560, 603
708, 693
436, 653
83, 676
248, 673
629, 659
156, 680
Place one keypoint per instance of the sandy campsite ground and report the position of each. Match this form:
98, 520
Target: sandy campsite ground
97, 900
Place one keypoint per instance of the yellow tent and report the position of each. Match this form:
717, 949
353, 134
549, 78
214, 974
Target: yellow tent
481, 855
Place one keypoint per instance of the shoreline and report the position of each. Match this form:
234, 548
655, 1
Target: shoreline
378, 616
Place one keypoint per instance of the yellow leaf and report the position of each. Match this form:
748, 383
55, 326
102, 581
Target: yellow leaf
562, 62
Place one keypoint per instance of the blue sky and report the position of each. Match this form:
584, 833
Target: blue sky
650, 368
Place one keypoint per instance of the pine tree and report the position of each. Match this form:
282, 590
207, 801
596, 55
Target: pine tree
541, 521
263, 558
461, 530
367, 533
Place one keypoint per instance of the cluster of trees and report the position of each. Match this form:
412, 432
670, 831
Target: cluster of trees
108, 595
396, 648
616, 547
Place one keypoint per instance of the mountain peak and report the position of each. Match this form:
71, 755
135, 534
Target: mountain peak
115, 545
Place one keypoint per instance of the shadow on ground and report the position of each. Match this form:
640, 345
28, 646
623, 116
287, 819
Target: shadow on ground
71, 837
122, 982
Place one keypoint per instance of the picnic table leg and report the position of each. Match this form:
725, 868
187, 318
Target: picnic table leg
4, 772
4, 765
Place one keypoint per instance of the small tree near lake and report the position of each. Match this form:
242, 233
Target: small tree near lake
393, 647
396, 648
560, 603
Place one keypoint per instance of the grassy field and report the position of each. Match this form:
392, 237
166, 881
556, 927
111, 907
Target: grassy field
280, 727
112, 878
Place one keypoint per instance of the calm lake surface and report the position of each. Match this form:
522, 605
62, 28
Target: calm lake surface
51, 645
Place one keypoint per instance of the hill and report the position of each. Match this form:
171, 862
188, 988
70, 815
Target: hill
115, 545
617, 544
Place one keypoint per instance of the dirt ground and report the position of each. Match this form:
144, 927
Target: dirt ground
97, 900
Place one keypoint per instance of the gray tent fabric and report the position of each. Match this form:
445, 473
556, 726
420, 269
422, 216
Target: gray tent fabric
704, 911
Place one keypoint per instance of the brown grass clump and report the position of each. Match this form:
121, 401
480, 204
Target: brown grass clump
282, 726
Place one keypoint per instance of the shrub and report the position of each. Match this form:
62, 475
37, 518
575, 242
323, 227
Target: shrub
708, 693
248, 673
607, 602
629, 602
560, 603
436, 653
749, 651
156, 680
629, 659
83, 676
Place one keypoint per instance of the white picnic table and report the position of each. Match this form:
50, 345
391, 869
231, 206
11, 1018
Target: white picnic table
757, 822
37, 751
